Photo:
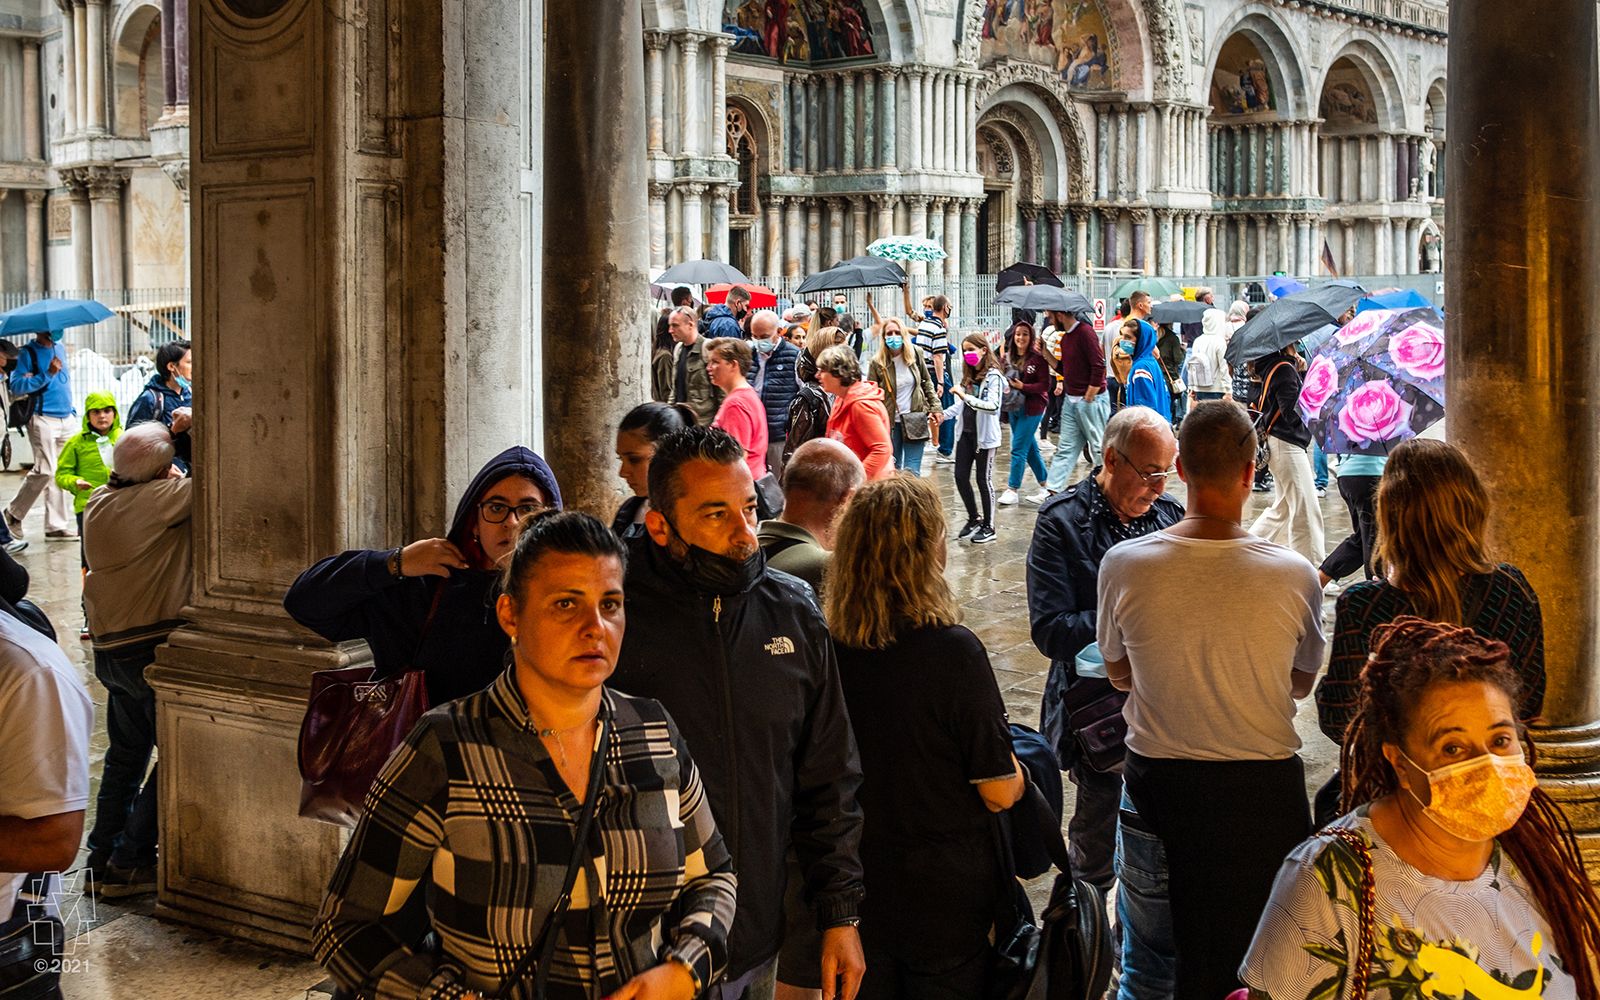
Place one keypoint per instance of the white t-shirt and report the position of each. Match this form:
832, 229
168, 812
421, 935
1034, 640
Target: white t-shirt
904, 382
1476, 937
1211, 630
45, 720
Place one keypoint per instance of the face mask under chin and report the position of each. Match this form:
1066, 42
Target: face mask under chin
712, 572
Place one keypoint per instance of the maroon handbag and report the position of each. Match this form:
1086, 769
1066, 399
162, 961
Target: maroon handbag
353, 724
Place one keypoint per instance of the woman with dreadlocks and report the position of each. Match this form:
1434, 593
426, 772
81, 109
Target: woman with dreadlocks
1452, 874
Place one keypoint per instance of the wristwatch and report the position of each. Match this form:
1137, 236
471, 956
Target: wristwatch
393, 562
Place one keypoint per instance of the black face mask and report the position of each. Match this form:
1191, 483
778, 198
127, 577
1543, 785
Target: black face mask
718, 574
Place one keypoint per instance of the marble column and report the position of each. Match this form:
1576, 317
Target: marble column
105, 199
719, 194
35, 236
1057, 214
658, 225
95, 21
813, 236
1188, 263
180, 55
1164, 255
888, 118
850, 134
836, 212
1108, 237
1241, 251
690, 108
917, 225
1348, 249
1102, 152
692, 224
717, 119
970, 139
828, 130
774, 241
882, 221
82, 45
1030, 232
1141, 152
953, 266
915, 132
1080, 239
815, 124
1123, 166
793, 242
860, 236
32, 134
796, 122
1237, 138
1303, 264
969, 236
1522, 353
1137, 247
655, 125
938, 151
1215, 257
870, 120
69, 68
675, 241
1285, 256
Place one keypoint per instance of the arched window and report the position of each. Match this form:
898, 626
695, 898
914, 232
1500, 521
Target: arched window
742, 147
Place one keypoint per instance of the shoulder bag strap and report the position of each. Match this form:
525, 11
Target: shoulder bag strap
1359, 975
1266, 387
538, 957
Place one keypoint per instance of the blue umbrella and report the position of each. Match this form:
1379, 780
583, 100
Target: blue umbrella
1402, 298
50, 315
1279, 286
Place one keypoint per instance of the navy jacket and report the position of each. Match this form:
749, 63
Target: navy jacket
720, 323
354, 596
1074, 531
156, 402
779, 387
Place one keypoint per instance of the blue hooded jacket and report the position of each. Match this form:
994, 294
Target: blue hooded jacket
720, 323
1147, 383
354, 596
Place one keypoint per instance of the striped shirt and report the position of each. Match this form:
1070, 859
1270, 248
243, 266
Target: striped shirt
468, 832
932, 336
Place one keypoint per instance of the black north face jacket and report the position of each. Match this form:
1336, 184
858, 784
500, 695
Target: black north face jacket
751, 680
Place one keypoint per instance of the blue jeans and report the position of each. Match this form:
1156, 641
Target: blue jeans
1149, 956
907, 453
124, 830
1025, 448
1083, 427
1319, 463
947, 430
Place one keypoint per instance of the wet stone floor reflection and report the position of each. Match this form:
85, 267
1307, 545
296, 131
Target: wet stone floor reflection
122, 952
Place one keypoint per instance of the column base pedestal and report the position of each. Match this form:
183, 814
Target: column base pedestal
236, 858
1569, 772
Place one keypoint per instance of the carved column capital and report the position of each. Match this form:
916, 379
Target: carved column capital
1080, 213
721, 44
917, 203
105, 183
692, 190
177, 172
1028, 211
658, 190
654, 41
1056, 213
35, 196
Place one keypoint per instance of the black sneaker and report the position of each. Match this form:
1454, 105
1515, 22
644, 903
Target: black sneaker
969, 529
983, 534
120, 883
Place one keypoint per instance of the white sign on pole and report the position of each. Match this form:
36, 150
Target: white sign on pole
1099, 315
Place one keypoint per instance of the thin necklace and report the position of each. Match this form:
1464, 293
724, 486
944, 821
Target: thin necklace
560, 735
1208, 517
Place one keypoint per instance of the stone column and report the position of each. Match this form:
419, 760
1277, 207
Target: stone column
917, 225
970, 139
690, 107
951, 233
829, 134
860, 235
76, 181
914, 119
1522, 351
32, 134
1141, 152
719, 222
1164, 253
693, 224
1080, 239
169, 63
1030, 232
1057, 214
774, 241
1138, 263
813, 235
1348, 254
675, 225
80, 39
717, 120
95, 20
1108, 237
1241, 235
1189, 264
69, 68
35, 230
881, 220
655, 84
938, 150
969, 237
795, 121
658, 224
1285, 248
888, 119
870, 120
105, 198
1260, 221
4, 192
1124, 180
1102, 152
1303, 265
1214, 254
793, 231
180, 54
850, 134
836, 251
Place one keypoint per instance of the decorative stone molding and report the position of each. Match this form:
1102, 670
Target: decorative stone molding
177, 172
1056, 212
35, 197
658, 190
105, 183
1080, 182
1167, 28
692, 190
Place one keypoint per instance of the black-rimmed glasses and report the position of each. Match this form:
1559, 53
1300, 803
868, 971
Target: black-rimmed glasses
496, 512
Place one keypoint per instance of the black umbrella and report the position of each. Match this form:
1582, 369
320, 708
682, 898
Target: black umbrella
1178, 312
1292, 318
1024, 273
895, 273
851, 276
702, 272
1047, 298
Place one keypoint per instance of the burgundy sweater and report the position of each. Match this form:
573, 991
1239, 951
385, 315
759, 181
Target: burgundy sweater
1034, 374
1083, 361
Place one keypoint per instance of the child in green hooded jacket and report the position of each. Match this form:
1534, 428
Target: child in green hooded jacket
85, 462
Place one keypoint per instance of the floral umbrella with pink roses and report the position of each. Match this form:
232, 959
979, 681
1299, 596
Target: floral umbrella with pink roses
1378, 381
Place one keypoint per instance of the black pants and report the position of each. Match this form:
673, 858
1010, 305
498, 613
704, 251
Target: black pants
1226, 827
960, 977
969, 457
1092, 830
1052, 414
1360, 495
125, 825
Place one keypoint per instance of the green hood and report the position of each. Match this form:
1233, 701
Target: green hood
99, 401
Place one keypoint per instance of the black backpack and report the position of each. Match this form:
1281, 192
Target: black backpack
22, 407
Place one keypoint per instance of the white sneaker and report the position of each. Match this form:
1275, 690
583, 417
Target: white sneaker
939, 458
1045, 447
1008, 498
1039, 497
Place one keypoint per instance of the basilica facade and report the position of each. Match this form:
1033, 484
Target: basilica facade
1207, 137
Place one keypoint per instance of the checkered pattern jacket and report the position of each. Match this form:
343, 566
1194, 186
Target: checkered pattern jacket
468, 832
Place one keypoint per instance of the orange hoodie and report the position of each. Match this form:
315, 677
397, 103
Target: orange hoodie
861, 421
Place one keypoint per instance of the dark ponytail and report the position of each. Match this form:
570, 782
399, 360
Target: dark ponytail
568, 532
656, 420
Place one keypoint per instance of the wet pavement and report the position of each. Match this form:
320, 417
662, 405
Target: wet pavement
126, 954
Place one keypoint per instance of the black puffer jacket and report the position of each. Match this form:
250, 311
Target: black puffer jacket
1074, 531
1280, 404
751, 680
808, 413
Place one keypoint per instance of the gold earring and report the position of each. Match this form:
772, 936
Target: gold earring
513, 640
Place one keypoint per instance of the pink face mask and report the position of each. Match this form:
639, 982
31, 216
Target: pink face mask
972, 358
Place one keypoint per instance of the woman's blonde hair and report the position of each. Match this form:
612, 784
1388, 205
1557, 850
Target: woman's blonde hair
908, 353
1432, 513
885, 575
818, 341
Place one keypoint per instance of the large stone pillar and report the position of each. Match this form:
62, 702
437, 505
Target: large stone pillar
376, 230
1136, 240
836, 213
859, 234
813, 236
69, 68
1522, 343
80, 40
693, 225
849, 135
793, 245
32, 134
95, 69
1108, 237
911, 154
888, 119
952, 248
689, 103
658, 225
77, 184
180, 55
1102, 152
917, 225
719, 222
969, 237
774, 240
1080, 239
1056, 214
105, 198
35, 231
1030, 233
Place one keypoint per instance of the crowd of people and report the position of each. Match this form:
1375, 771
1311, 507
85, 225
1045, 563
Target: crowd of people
739, 744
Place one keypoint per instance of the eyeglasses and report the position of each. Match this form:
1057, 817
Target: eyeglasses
1156, 479
496, 512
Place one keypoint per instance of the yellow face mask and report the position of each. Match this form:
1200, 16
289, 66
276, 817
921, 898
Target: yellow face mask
1477, 799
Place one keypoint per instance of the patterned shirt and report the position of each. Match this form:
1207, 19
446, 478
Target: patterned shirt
468, 832
1498, 605
932, 336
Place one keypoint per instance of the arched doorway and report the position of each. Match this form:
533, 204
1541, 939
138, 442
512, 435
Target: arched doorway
746, 143
1259, 153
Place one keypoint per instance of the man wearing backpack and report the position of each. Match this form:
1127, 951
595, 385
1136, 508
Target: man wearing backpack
1207, 370
41, 374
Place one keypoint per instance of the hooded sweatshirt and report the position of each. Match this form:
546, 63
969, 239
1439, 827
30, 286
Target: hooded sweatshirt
861, 421
445, 627
1147, 383
86, 456
1208, 369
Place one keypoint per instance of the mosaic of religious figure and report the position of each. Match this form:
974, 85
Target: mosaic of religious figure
799, 30
1069, 36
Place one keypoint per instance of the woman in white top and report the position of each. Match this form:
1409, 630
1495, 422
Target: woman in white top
977, 433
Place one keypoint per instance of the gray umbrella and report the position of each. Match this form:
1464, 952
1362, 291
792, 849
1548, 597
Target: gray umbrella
852, 276
1291, 319
1047, 298
702, 272
891, 270
1178, 312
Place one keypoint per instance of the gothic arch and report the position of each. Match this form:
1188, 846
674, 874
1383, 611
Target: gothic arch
138, 88
1036, 88
1285, 65
1377, 69
1433, 100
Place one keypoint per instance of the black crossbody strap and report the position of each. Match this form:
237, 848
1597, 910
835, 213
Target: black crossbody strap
538, 957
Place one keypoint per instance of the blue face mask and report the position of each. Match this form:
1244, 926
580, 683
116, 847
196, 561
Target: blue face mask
894, 343
765, 346
927, 313
183, 384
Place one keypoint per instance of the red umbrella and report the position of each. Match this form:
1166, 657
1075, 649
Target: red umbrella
760, 295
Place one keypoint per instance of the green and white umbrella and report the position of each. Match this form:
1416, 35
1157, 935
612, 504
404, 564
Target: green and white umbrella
907, 248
